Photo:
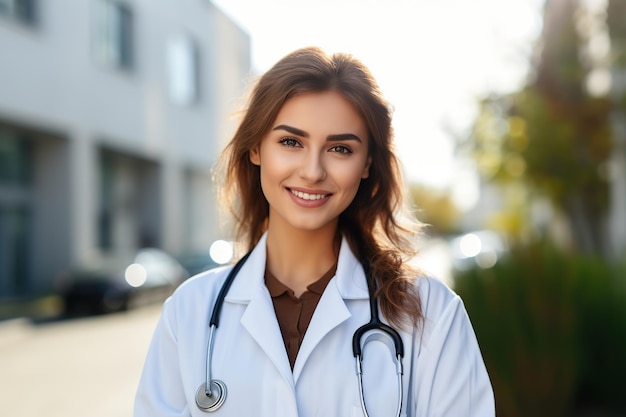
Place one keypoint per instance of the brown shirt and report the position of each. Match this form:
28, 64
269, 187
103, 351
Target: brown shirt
294, 314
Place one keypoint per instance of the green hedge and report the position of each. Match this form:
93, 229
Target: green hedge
552, 330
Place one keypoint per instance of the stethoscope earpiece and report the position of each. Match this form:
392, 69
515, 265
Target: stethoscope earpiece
212, 400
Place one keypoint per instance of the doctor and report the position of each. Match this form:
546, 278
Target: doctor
317, 196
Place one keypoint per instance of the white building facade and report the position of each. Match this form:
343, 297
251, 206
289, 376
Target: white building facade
112, 115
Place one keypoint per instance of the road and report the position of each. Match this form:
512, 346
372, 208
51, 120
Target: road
74, 368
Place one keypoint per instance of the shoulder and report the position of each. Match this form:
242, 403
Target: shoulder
438, 301
192, 300
435, 295
198, 290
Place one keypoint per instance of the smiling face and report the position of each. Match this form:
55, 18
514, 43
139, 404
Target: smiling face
312, 161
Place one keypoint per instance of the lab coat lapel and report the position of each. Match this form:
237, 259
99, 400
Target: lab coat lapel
348, 283
331, 311
259, 318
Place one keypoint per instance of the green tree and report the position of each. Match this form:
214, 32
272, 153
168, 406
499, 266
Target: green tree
553, 135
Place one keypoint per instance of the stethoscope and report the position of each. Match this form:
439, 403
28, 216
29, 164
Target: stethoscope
211, 394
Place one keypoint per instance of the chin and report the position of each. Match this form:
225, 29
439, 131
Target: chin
312, 226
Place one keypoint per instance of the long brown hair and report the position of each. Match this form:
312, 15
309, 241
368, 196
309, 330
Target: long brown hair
375, 224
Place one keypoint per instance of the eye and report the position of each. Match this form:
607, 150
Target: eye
289, 142
341, 149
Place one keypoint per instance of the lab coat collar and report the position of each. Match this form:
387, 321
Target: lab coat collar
259, 316
350, 278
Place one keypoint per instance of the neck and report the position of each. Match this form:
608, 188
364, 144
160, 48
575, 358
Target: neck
298, 258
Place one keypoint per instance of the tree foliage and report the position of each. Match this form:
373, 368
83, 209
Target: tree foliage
553, 135
435, 208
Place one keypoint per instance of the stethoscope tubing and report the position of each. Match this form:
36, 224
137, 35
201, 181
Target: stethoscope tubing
209, 355
212, 393
388, 331
215, 317
399, 373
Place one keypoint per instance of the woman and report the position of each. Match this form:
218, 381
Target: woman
317, 193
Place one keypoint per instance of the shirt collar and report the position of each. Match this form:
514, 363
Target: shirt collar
349, 276
277, 288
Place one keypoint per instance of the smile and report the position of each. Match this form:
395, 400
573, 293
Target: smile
307, 196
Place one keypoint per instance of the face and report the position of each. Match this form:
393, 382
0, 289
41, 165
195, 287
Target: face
312, 161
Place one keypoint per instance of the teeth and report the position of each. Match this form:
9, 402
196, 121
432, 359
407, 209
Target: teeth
307, 196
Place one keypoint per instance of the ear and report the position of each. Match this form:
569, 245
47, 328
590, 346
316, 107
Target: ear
366, 168
255, 156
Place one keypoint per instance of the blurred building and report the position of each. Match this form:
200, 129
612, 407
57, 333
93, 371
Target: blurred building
112, 113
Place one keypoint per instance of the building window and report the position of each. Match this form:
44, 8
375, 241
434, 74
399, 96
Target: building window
22, 11
112, 39
15, 159
106, 211
16, 167
183, 69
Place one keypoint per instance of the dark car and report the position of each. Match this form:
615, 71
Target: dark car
197, 262
116, 285
220, 253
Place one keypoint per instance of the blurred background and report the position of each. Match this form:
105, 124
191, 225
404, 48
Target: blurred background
510, 120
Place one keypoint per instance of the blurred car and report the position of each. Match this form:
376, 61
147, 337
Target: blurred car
149, 276
197, 262
220, 252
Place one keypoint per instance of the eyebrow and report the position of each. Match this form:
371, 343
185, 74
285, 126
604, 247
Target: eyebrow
334, 138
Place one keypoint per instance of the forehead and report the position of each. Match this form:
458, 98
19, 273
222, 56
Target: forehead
327, 112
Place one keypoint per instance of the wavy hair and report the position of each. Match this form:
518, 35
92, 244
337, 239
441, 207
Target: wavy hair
376, 224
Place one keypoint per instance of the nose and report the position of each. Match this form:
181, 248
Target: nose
313, 169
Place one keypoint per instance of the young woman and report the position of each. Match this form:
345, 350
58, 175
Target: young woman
318, 200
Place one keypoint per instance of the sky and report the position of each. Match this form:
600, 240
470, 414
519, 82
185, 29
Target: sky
433, 60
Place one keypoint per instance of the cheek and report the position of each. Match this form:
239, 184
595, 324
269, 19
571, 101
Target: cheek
273, 170
274, 164
271, 156
350, 174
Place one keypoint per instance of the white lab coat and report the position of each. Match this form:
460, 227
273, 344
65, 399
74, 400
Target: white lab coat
444, 374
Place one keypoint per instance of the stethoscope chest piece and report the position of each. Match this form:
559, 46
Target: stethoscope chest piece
211, 400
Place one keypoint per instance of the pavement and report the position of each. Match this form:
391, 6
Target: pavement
14, 330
